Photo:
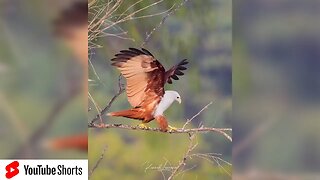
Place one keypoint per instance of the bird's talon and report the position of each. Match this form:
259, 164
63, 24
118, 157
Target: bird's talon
172, 129
143, 126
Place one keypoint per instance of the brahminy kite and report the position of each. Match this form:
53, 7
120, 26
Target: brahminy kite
146, 78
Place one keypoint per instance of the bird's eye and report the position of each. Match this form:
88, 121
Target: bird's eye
178, 97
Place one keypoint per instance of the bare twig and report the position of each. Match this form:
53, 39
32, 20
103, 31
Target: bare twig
104, 18
170, 12
182, 163
98, 109
189, 120
178, 169
214, 159
132, 15
161, 168
104, 110
98, 162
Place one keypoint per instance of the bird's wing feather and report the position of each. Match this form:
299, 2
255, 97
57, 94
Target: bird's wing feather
175, 71
144, 74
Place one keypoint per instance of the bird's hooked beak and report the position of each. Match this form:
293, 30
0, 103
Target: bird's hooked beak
179, 100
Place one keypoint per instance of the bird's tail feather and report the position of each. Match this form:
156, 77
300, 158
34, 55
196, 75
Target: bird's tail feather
130, 113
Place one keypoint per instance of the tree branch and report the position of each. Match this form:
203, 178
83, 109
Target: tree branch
221, 131
192, 132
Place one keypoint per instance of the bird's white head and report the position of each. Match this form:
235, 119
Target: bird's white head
173, 95
166, 101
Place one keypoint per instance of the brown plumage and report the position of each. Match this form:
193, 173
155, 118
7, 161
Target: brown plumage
146, 78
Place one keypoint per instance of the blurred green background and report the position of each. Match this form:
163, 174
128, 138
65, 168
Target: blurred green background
200, 31
276, 85
39, 82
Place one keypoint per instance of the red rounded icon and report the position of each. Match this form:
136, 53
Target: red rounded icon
12, 169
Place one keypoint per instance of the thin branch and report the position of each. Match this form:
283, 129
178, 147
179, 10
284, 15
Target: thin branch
102, 16
182, 162
176, 170
101, 113
132, 17
95, 72
221, 131
185, 170
189, 120
161, 168
170, 12
98, 109
124, 12
213, 158
98, 162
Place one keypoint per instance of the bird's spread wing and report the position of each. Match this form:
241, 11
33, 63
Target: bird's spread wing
175, 71
144, 74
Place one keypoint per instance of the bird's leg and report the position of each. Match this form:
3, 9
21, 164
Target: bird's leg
171, 128
162, 122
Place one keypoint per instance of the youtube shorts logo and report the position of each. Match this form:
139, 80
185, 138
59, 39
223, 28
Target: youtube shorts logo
12, 169
40, 169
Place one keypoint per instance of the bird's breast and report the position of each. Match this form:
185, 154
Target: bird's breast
162, 106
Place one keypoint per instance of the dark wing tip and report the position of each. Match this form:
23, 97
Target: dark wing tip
147, 52
175, 77
182, 68
125, 55
184, 62
179, 73
128, 52
139, 52
176, 71
118, 64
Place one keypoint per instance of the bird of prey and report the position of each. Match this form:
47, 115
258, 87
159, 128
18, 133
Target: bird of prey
146, 77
